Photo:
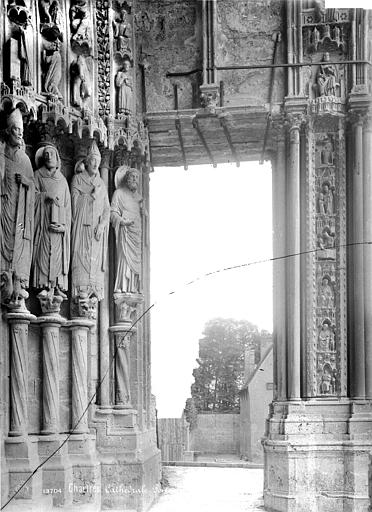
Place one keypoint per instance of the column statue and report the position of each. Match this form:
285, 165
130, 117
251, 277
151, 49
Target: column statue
17, 214
126, 220
51, 257
124, 84
326, 79
90, 219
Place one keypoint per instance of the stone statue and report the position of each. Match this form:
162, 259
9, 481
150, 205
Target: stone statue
53, 64
326, 154
122, 33
51, 258
50, 12
325, 199
326, 79
326, 293
79, 14
326, 337
124, 84
81, 81
17, 214
126, 220
90, 219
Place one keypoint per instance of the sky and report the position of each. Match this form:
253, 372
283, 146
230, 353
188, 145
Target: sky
203, 220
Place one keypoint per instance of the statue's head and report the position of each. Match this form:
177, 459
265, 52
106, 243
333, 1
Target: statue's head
47, 156
14, 128
131, 179
93, 159
126, 64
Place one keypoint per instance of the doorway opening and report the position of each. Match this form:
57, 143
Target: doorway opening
211, 246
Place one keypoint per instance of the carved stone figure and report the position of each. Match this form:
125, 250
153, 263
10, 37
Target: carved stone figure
325, 200
51, 258
122, 33
81, 81
326, 154
326, 337
126, 220
53, 65
79, 14
326, 293
326, 79
90, 218
124, 84
50, 12
17, 218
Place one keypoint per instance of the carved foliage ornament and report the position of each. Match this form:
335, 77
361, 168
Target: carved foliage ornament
103, 43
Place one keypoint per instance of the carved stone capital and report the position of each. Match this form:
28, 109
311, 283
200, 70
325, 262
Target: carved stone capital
50, 303
126, 307
84, 306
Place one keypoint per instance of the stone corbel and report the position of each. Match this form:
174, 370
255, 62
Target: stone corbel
210, 97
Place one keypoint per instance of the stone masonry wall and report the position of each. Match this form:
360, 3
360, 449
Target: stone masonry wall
216, 433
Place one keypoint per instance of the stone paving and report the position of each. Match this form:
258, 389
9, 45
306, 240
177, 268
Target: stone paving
209, 489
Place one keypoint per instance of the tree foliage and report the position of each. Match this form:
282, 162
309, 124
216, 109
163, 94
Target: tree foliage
220, 371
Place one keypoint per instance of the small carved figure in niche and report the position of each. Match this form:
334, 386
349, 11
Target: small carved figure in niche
326, 294
90, 219
126, 220
326, 380
122, 33
17, 217
79, 14
326, 243
53, 64
326, 337
51, 258
81, 81
124, 84
325, 200
326, 79
326, 154
315, 38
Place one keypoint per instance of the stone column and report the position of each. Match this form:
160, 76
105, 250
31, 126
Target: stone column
57, 472
122, 369
358, 353
79, 401
104, 316
293, 263
367, 254
279, 269
18, 325
50, 327
20, 448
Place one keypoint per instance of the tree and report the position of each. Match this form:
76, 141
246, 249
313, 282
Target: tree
220, 371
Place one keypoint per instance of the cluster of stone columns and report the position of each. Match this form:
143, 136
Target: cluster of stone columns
361, 259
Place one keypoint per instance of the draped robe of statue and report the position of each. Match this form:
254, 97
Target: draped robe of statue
17, 214
51, 258
124, 83
90, 206
126, 205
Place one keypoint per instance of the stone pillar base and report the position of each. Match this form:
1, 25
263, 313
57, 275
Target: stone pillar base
22, 457
130, 484
57, 472
130, 461
312, 462
85, 486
